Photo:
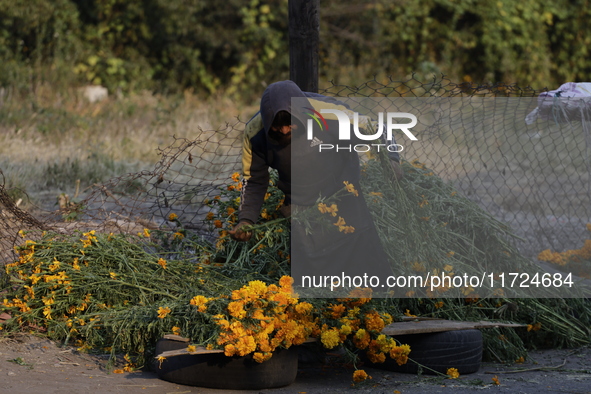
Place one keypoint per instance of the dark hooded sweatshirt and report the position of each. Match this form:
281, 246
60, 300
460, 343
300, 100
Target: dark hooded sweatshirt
305, 174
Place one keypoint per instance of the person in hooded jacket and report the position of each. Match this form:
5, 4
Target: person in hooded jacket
276, 138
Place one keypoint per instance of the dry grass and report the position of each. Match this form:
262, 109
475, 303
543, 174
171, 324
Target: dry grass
50, 141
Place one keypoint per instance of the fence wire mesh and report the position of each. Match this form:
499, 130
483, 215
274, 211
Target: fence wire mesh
533, 177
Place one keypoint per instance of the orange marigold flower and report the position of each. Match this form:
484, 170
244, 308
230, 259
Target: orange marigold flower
360, 375
173, 216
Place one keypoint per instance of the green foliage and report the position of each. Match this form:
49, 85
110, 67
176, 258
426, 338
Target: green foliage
240, 46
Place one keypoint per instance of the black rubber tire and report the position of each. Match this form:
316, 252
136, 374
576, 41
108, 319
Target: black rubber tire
439, 351
222, 372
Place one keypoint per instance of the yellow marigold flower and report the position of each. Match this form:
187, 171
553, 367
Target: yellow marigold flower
337, 310
113, 275
218, 223
162, 262
351, 188
198, 300
230, 211
178, 235
48, 300
236, 177
176, 330
453, 373
191, 348
400, 354
236, 309
118, 371
520, 360
322, 207
407, 313
373, 321
361, 339
360, 375
376, 358
55, 265
495, 380
261, 357
230, 350
246, 345
173, 216
47, 312
285, 281
304, 308
345, 329
333, 209
340, 222
257, 287
209, 216
160, 360
330, 338
439, 304
347, 229
162, 312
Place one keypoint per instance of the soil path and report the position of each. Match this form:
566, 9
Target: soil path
32, 365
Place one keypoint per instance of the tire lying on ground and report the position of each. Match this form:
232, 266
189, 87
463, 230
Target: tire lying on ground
222, 372
461, 349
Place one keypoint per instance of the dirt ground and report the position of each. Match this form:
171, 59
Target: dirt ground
31, 365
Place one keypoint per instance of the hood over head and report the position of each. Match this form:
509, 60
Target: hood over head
277, 97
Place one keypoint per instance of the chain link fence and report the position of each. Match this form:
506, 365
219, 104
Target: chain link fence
533, 177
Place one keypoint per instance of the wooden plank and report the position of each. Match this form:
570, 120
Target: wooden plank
304, 36
417, 326
184, 352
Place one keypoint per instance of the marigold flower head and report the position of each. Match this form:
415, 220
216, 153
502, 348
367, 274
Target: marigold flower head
453, 373
191, 348
330, 338
360, 375
162, 312
173, 216
351, 188
162, 262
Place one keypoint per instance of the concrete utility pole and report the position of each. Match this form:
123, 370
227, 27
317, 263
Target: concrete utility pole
304, 35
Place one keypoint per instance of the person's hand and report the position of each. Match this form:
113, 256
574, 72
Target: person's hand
398, 172
239, 234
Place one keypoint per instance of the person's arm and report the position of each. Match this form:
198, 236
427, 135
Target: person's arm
255, 181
